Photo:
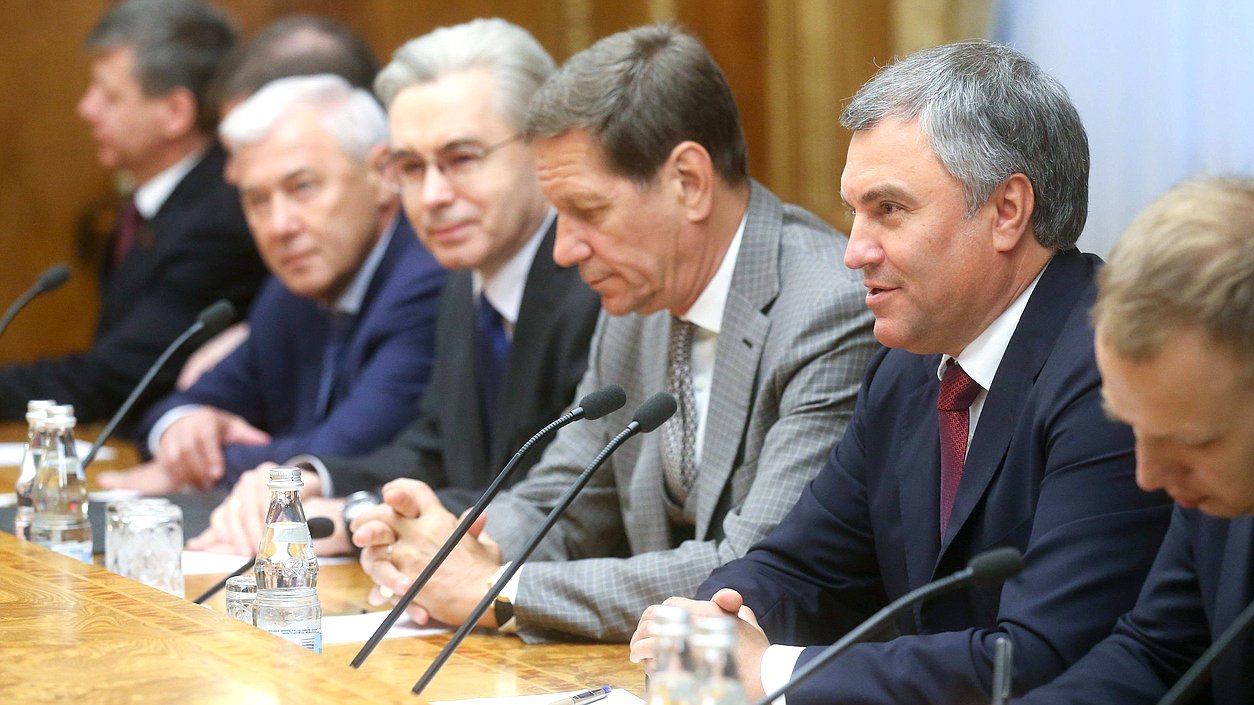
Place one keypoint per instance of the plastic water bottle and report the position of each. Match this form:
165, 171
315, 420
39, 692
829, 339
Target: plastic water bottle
671, 680
59, 494
32, 452
287, 569
714, 644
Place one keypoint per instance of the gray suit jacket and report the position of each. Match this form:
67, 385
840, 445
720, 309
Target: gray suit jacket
795, 339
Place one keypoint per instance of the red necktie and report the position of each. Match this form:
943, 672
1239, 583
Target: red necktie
129, 222
957, 392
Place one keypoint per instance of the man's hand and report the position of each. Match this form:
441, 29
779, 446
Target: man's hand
191, 448
236, 524
751, 641
149, 478
398, 539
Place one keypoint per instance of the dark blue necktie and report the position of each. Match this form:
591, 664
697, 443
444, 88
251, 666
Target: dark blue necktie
339, 326
491, 356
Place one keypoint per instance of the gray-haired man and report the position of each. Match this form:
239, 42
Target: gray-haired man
716, 291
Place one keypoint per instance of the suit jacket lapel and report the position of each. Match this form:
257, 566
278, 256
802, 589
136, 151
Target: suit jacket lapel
918, 472
538, 303
1048, 309
463, 406
754, 285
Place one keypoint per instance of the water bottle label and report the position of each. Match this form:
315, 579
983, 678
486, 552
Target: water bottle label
306, 636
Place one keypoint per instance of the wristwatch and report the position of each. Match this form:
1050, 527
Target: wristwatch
355, 504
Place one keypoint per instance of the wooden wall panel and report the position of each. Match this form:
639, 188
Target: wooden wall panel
791, 65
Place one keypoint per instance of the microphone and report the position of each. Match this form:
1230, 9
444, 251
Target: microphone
211, 320
319, 528
1199, 673
52, 279
649, 415
992, 566
593, 406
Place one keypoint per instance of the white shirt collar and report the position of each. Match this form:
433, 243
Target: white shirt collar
351, 300
707, 311
152, 194
504, 290
981, 358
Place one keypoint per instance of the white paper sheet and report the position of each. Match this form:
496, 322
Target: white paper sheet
617, 696
205, 563
11, 453
350, 628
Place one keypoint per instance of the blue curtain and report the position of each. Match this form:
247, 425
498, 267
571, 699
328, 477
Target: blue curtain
1165, 89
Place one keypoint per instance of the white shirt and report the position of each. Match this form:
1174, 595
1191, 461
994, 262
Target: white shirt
152, 194
706, 313
980, 360
504, 290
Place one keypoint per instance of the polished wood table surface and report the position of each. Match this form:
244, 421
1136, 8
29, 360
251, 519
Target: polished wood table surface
70, 632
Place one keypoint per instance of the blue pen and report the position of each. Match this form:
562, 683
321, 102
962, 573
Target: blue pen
584, 698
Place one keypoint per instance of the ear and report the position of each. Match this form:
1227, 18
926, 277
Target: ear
180, 113
381, 174
691, 174
1013, 202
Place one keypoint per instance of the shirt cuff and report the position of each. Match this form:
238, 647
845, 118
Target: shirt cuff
510, 593
324, 475
778, 663
166, 421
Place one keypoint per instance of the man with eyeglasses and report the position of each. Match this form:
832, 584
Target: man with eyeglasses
513, 328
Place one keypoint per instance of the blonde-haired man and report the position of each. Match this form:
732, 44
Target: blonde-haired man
1175, 344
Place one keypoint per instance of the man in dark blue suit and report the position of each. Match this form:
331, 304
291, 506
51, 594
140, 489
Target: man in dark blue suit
1175, 344
341, 341
180, 242
980, 426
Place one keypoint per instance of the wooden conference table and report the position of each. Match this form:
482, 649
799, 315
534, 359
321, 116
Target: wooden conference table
71, 632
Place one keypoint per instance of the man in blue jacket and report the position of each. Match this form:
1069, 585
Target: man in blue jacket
1175, 343
342, 337
981, 426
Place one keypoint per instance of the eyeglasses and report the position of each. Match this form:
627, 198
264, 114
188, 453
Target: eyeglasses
457, 162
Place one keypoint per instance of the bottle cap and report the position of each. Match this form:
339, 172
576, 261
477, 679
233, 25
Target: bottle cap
39, 404
671, 621
715, 632
285, 478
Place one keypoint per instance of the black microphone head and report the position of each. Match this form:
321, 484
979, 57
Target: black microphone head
321, 527
216, 316
603, 401
996, 565
654, 411
54, 277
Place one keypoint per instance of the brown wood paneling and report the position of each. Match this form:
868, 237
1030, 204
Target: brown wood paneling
791, 64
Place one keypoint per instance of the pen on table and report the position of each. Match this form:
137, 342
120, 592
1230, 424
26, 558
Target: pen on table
587, 696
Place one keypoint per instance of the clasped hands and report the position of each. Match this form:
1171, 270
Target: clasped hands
398, 539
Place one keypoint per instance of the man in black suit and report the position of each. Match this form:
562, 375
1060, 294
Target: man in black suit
1175, 344
181, 242
470, 190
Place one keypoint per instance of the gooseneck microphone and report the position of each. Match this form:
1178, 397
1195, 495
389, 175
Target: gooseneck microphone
319, 528
649, 415
52, 279
1199, 673
992, 566
591, 407
212, 320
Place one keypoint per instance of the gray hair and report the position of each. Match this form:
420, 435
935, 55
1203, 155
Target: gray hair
177, 44
989, 112
1186, 260
517, 61
350, 115
640, 93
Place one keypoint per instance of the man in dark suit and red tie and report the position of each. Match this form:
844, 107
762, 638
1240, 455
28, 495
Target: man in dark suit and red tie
181, 242
1175, 344
980, 426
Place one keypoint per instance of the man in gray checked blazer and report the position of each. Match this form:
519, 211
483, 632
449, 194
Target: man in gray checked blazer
715, 291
